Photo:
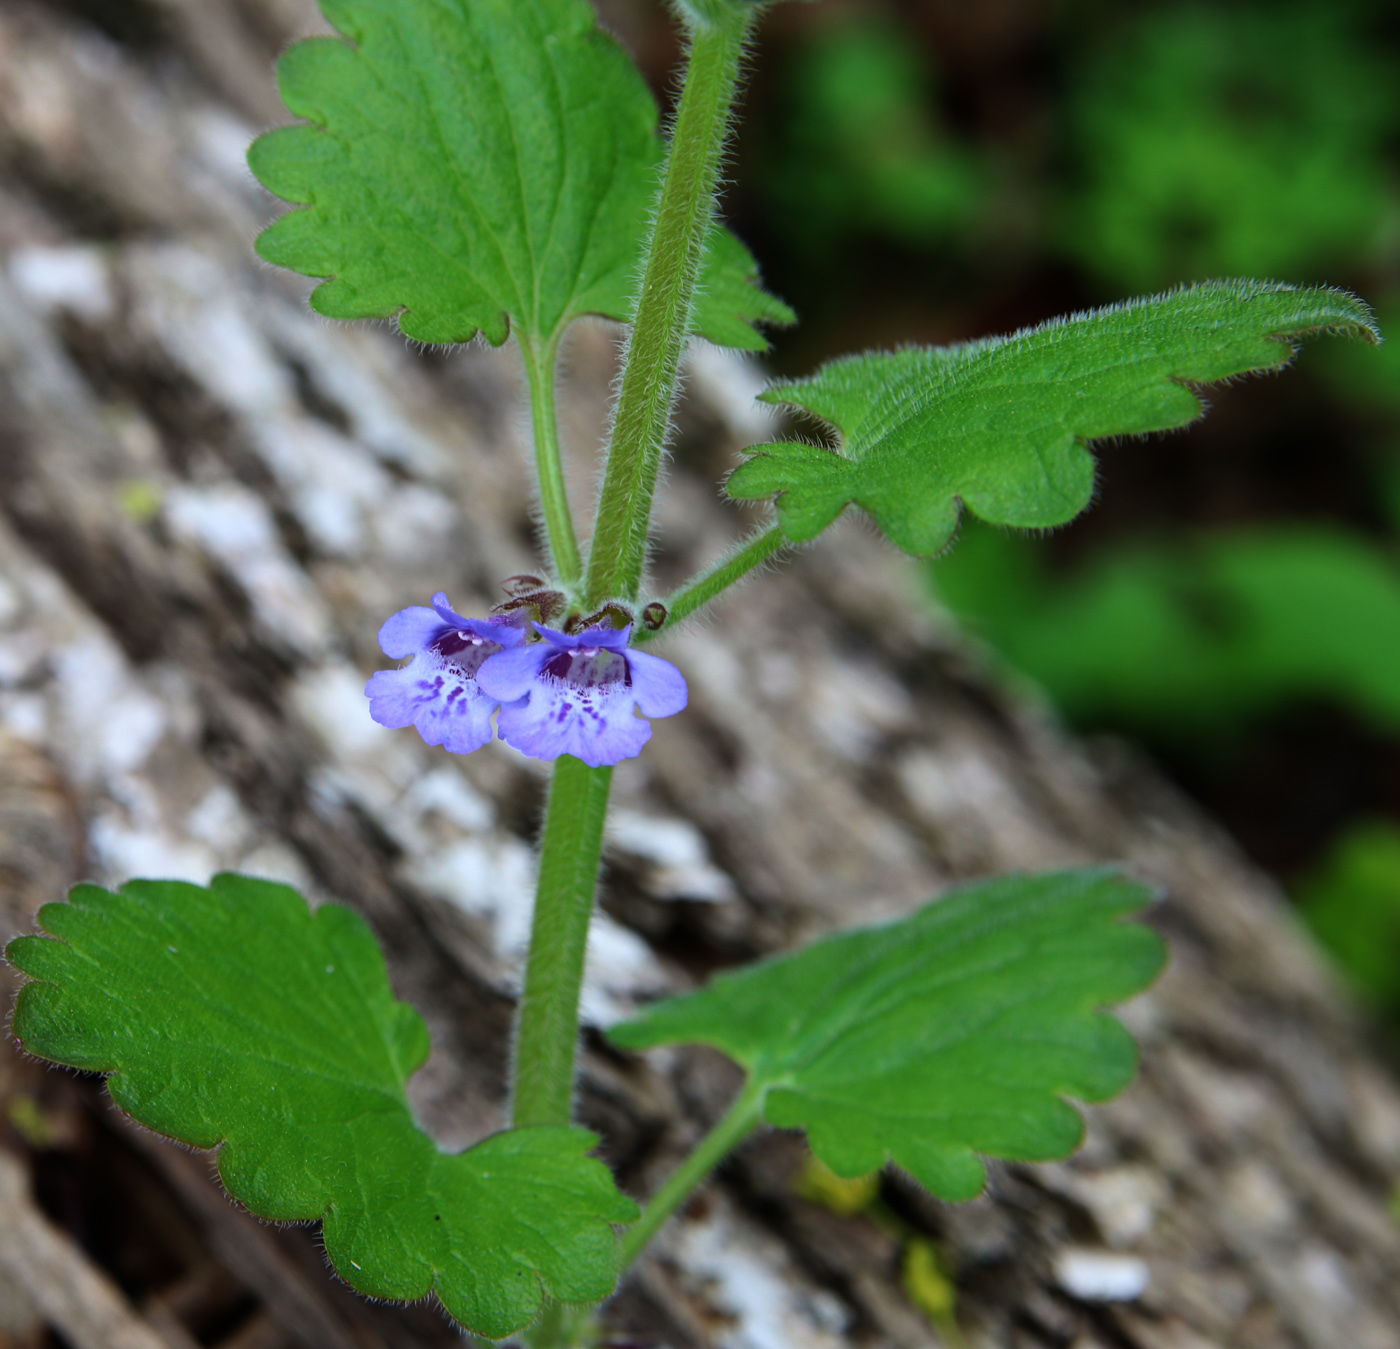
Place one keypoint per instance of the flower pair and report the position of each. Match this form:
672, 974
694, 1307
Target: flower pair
564, 693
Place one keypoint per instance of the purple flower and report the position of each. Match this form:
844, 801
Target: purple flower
579, 694
438, 691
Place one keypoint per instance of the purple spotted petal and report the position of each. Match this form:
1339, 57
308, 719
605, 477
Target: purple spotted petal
596, 725
442, 701
659, 687
578, 693
438, 692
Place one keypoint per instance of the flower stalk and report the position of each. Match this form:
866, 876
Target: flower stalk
684, 214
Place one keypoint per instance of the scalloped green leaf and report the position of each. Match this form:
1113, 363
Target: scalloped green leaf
235, 1018
465, 165
951, 1035
1002, 426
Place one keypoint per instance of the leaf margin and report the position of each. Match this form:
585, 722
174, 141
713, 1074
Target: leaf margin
730, 303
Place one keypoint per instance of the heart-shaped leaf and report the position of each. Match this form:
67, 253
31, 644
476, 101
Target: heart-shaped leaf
469, 164
955, 1032
237, 1016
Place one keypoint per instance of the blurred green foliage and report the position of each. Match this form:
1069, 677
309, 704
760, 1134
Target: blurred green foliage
1352, 903
857, 148
1230, 140
1194, 638
1156, 143
1191, 642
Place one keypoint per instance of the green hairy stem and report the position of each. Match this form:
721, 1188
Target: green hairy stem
547, 1034
546, 1040
683, 216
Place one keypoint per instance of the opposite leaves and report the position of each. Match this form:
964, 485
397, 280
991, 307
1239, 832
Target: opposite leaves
235, 1015
476, 163
1001, 426
955, 1032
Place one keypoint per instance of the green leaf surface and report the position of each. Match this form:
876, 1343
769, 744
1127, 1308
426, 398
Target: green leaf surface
955, 1032
1002, 426
469, 164
237, 1016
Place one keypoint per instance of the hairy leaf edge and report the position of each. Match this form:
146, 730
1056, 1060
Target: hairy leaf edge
1364, 325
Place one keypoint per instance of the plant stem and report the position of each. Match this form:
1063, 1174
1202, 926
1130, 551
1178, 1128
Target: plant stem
561, 1327
674, 252
558, 520
547, 1033
695, 594
743, 1118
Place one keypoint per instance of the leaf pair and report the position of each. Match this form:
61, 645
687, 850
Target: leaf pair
472, 164
1001, 426
467, 165
236, 1016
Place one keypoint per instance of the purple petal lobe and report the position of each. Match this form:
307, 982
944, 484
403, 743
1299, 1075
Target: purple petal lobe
442, 701
564, 641
660, 687
511, 674
609, 638
410, 631
447, 613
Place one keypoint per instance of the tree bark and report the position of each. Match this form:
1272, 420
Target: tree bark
212, 499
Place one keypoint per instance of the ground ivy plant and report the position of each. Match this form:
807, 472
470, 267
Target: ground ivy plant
495, 167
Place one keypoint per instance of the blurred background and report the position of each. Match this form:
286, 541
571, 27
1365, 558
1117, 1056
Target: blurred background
937, 170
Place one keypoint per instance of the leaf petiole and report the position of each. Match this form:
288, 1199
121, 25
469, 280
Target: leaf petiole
759, 548
541, 359
743, 1117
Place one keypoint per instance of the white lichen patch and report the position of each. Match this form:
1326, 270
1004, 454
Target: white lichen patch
235, 527
679, 861
69, 277
116, 729
1101, 1276
749, 1281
